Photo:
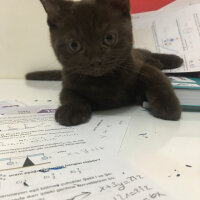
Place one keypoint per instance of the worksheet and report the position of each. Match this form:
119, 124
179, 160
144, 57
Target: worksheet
37, 140
176, 33
87, 178
42, 160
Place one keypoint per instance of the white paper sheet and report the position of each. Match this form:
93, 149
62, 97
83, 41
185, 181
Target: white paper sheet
176, 33
38, 139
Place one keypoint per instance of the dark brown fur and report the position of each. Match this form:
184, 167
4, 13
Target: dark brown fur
101, 76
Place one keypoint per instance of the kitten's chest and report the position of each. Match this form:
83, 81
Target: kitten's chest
107, 92
105, 86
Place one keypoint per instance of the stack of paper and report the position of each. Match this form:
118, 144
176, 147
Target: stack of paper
188, 91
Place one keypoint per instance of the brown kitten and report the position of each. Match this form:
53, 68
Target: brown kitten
93, 42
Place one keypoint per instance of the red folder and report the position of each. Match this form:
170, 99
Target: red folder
138, 6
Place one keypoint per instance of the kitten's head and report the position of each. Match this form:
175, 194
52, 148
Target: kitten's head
90, 37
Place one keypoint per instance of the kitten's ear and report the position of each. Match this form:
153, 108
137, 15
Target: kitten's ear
54, 8
122, 5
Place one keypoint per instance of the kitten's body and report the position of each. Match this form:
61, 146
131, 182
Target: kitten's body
105, 73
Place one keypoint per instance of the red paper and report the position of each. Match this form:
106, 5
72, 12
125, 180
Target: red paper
138, 6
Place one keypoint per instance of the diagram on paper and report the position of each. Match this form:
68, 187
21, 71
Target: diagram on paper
23, 161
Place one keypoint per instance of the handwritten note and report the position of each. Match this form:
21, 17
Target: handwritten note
90, 179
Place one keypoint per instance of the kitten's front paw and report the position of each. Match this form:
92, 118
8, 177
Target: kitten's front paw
167, 113
168, 109
71, 115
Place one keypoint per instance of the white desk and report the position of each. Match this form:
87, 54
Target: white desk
168, 146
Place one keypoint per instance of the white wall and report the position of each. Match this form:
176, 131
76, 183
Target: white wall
24, 39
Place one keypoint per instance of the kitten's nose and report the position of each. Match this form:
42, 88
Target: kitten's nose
95, 62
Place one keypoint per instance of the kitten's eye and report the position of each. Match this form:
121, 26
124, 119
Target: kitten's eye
110, 39
74, 46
